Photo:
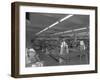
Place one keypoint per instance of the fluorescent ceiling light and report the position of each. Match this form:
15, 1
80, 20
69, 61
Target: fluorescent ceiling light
42, 31
62, 32
68, 16
80, 29
70, 31
47, 28
53, 24
57, 22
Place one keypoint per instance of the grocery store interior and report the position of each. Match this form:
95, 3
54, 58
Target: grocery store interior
58, 39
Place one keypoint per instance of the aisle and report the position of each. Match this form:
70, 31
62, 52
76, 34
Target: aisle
48, 61
73, 58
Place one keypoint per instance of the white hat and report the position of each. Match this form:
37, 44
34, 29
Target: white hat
31, 50
81, 42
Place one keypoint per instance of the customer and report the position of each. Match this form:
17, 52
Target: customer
34, 58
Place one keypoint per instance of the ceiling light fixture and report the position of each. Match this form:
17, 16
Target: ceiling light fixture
57, 22
68, 16
80, 29
70, 31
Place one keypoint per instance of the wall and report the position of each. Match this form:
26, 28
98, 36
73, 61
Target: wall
5, 40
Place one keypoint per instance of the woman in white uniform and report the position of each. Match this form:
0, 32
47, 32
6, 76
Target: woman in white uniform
82, 50
64, 50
